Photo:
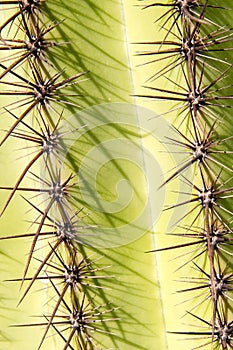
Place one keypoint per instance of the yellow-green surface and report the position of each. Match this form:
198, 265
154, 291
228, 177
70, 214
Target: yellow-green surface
101, 36
98, 43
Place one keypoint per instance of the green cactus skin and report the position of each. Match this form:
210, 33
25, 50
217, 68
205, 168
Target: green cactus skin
131, 295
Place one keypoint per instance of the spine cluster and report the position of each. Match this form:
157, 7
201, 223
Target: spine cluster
38, 102
193, 51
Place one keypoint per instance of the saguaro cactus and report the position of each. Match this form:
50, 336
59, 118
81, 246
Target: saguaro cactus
90, 95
